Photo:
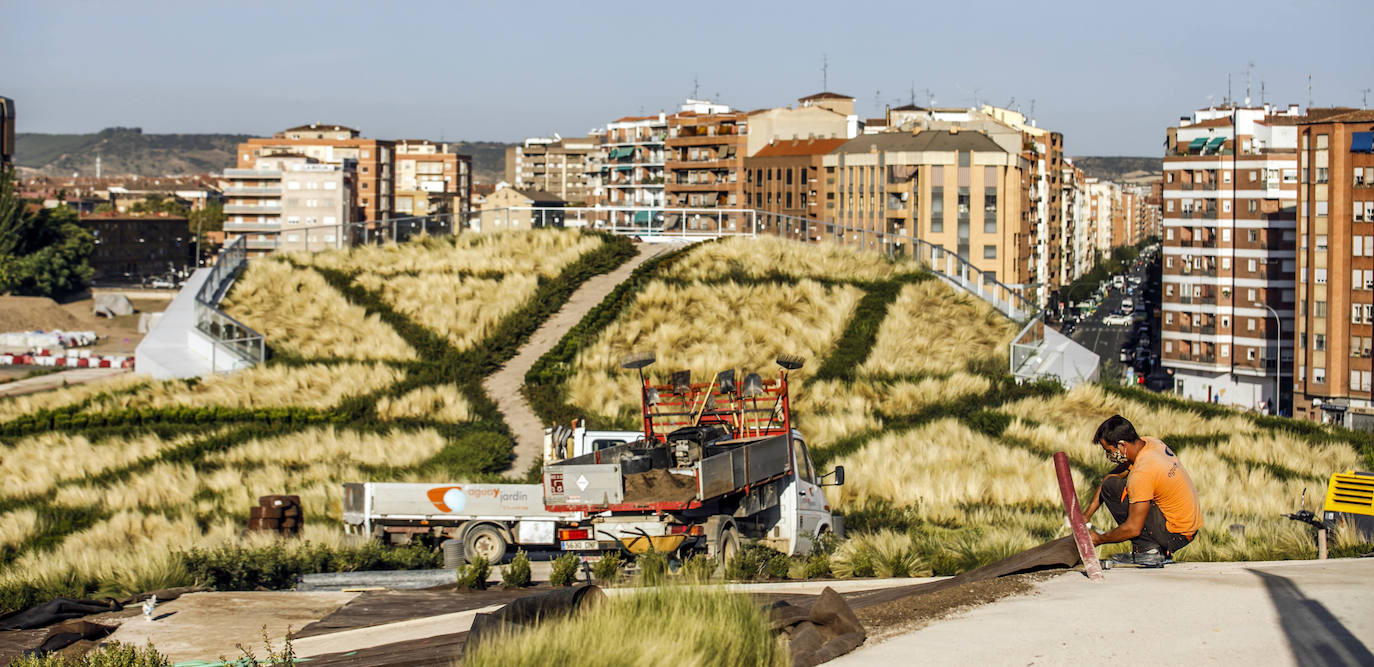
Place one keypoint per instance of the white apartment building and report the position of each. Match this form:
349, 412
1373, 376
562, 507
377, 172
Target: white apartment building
633, 172
289, 202
1229, 218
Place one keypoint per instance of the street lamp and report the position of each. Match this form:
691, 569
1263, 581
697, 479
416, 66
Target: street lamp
1278, 354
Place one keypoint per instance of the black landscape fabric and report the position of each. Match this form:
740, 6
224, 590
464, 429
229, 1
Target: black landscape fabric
821, 633
59, 609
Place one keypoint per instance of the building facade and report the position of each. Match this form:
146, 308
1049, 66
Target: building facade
1335, 319
513, 208
290, 202
705, 152
137, 247
1230, 189
431, 179
785, 177
953, 188
557, 165
632, 171
6, 132
334, 144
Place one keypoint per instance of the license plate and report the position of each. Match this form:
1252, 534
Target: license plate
580, 545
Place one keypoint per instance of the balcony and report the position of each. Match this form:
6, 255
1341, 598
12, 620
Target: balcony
250, 192
248, 227
246, 209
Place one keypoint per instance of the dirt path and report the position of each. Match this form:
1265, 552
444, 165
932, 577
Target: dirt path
504, 385
55, 380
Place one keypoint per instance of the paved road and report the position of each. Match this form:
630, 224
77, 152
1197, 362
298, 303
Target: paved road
1277, 613
55, 380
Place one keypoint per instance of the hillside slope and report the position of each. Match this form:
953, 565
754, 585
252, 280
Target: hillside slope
1115, 168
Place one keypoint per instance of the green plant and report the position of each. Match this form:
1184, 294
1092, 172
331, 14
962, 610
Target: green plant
699, 568
517, 573
757, 561
816, 565
607, 568
565, 569
285, 658
653, 567
110, 655
473, 575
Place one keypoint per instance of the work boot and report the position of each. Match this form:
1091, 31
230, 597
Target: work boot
1149, 558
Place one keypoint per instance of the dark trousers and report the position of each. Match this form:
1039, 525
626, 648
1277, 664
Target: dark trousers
1154, 534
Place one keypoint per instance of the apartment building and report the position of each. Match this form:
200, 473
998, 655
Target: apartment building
128, 246
1077, 238
287, 201
1230, 191
954, 188
1335, 263
705, 152
334, 144
557, 165
632, 172
430, 179
784, 177
513, 208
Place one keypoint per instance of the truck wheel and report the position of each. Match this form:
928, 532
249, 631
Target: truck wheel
723, 539
485, 541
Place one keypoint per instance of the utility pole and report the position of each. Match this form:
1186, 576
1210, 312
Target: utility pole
825, 72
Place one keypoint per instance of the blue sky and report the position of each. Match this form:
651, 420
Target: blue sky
1110, 76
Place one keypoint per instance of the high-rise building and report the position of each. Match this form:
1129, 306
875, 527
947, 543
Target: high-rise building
333, 144
431, 179
1230, 189
557, 165
1335, 203
958, 189
705, 152
287, 201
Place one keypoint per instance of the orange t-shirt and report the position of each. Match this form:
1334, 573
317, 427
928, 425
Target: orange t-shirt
1158, 475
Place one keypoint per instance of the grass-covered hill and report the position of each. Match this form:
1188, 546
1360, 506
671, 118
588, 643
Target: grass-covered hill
378, 357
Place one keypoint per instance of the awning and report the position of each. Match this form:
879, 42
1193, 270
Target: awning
642, 216
1362, 142
1197, 143
624, 151
626, 167
1216, 142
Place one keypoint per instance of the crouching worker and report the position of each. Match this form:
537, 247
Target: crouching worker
1149, 494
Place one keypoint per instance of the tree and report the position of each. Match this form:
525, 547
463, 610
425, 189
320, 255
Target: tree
43, 253
208, 219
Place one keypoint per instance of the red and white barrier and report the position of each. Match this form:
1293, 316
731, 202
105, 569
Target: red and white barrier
70, 360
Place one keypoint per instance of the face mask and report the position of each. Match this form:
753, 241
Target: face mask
1116, 456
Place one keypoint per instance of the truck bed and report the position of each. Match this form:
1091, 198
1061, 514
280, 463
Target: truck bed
597, 482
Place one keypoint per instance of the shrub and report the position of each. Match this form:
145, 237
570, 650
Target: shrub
110, 655
699, 568
816, 565
757, 561
607, 568
517, 574
653, 567
473, 576
565, 569
232, 568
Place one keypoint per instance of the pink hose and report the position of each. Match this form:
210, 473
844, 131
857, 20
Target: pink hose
1075, 515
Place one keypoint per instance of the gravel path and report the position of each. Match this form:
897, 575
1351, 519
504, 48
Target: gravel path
504, 385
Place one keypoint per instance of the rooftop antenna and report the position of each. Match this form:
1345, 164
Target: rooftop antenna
695, 86
930, 99
1032, 109
913, 93
1364, 98
1309, 90
1263, 98
975, 97
1228, 88
877, 100
825, 72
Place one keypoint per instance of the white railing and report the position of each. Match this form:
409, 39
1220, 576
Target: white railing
223, 331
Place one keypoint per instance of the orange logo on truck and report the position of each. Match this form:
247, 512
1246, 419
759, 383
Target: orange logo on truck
448, 498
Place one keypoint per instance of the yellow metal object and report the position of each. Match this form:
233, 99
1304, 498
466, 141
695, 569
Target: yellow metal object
1350, 492
639, 544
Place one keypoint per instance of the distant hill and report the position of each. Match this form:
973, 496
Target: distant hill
128, 151
1116, 168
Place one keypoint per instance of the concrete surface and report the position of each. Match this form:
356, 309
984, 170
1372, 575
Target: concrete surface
1275, 613
388, 633
55, 380
504, 385
206, 626
165, 352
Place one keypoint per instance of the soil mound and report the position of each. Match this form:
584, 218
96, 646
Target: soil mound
26, 313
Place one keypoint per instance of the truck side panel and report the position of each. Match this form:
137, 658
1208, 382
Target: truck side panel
598, 484
456, 500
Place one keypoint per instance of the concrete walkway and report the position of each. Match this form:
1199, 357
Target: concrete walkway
55, 380
1274, 613
504, 385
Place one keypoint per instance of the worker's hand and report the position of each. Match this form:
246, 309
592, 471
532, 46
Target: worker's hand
1096, 537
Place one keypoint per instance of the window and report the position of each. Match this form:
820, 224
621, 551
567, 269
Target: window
1168, 318
1226, 235
1319, 375
1254, 175
1168, 262
1169, 206
1251, 205
1321, 208
1171, 180
1226, 263
1225, 177
1250, 354
1168, 346
937, 210
990, 210
1250, 265
331, 185
1319, 276
1319, 342
989, 252
1226, 206
1225, 350
1250, 323
363, 169
1318, 309
1226, 321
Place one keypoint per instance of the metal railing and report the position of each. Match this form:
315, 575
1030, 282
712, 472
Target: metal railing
287, 237
222, 330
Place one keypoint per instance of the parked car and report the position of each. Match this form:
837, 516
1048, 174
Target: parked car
1117, 319
163, 283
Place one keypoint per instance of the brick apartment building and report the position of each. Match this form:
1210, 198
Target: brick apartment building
1335, 260
632, 175
430, 179
785, 177
137, 247
954, 188
1230, 191
560, 166
705, 152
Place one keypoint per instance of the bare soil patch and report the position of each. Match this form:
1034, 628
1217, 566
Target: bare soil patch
117, 336
916, 611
